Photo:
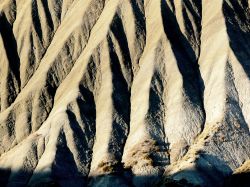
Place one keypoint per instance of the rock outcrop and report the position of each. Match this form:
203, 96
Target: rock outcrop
124, 92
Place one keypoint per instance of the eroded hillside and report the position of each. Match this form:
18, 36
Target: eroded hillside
123, 92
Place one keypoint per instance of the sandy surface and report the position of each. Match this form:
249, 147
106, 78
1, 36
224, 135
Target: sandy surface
123, 92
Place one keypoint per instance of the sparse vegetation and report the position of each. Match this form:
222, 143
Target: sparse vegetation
123, 89
109, 167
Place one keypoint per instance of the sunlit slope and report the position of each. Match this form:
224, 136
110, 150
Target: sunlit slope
123, 92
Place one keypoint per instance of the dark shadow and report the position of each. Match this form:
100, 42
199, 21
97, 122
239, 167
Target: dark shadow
140, 22
237, 19
212, 168
193, 34
53, 80
36, 18
4, 176
63, 176
84, 135
10, 47
87, 110
36, 21
45, 99
238, 180
209, 169
186, 59
195, 12
139, 18
120, 36
64, 167
234, 111
47, 12
172, 5
64, 170
121, 100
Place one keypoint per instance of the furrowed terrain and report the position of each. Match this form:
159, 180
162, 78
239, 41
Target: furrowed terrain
124, 92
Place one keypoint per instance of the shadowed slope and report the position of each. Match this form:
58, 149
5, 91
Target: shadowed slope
124, 92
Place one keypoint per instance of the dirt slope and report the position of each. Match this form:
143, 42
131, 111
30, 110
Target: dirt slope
123, 92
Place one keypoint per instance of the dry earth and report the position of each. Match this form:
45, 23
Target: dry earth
124, 92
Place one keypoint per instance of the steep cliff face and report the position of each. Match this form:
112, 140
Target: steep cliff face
123, 92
